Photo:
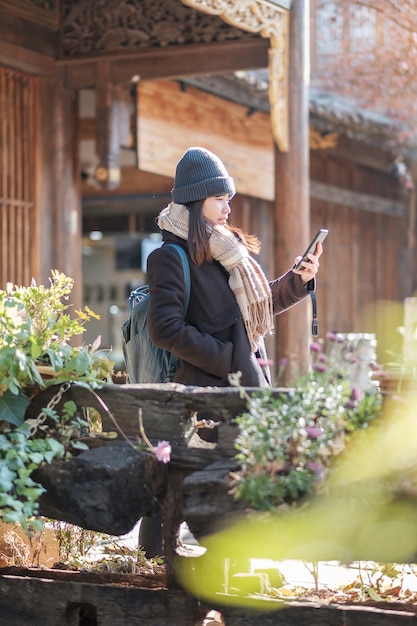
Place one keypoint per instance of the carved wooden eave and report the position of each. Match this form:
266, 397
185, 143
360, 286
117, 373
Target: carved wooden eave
270, 19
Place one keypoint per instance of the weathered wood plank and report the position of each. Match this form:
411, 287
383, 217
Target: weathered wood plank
167, 413
175, 62
26, 34
47, 602
143, 578
41, 602
315, 614
356, 200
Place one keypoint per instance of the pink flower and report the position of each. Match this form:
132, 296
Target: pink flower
334, 337
315, 346
316, 468
352, 358
163, 451
351, 404
356, 393
378, 369
355, 396
319, 367
314, 432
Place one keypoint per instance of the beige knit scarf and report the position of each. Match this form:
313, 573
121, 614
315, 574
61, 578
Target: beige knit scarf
246, 278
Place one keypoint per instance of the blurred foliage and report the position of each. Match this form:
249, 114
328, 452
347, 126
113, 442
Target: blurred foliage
286, 443
36, 353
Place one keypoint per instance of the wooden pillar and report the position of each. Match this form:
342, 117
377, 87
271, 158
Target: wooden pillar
108, 139
58, 196
292, 208
67, 249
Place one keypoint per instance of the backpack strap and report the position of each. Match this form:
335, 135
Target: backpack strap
186, 270
173, 360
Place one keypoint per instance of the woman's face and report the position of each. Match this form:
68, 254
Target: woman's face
216, 209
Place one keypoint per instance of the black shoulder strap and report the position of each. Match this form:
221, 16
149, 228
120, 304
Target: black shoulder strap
173, 360
186, 270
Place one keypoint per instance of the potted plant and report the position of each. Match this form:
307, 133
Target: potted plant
36, 352
286, 442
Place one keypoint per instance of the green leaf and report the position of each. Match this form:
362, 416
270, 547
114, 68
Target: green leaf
36, 350
13, 407
79, 445
69, 409
36, 525
6, 500
36, 457
55, 359
82, 362
6, 478
11, 517
36, 377
56, 448
374, 595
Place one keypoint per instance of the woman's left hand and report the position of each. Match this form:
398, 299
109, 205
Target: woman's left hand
310, 267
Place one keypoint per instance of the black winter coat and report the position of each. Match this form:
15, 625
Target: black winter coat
212, 341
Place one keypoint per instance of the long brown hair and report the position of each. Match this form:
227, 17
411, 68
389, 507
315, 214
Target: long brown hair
198, 235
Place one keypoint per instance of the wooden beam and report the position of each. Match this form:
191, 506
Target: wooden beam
292, 194
167, 411
25, 34
48, 17
234, 90
26, 60
173, 62
362, 152
356, 200
136, 204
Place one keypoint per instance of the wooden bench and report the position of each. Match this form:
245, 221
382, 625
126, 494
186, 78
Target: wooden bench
112, 485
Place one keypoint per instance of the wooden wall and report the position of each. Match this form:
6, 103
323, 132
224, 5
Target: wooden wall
171, 119
17, 202
40, 199
365, 265
367, 258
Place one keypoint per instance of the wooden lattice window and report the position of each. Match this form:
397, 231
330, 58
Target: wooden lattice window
17, 193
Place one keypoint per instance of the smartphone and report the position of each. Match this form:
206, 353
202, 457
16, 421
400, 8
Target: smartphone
320, 236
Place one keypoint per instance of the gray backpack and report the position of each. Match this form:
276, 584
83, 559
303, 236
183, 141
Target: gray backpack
145, 362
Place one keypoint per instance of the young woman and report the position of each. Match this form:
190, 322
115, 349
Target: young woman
232, 304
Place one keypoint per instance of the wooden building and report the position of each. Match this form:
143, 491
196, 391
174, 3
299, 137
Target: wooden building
99, 99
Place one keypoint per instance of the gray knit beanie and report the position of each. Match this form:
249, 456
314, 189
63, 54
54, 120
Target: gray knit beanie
200, 174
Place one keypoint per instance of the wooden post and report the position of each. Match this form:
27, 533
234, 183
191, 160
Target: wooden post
292, 210
66, 217
57, 185
109, 115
